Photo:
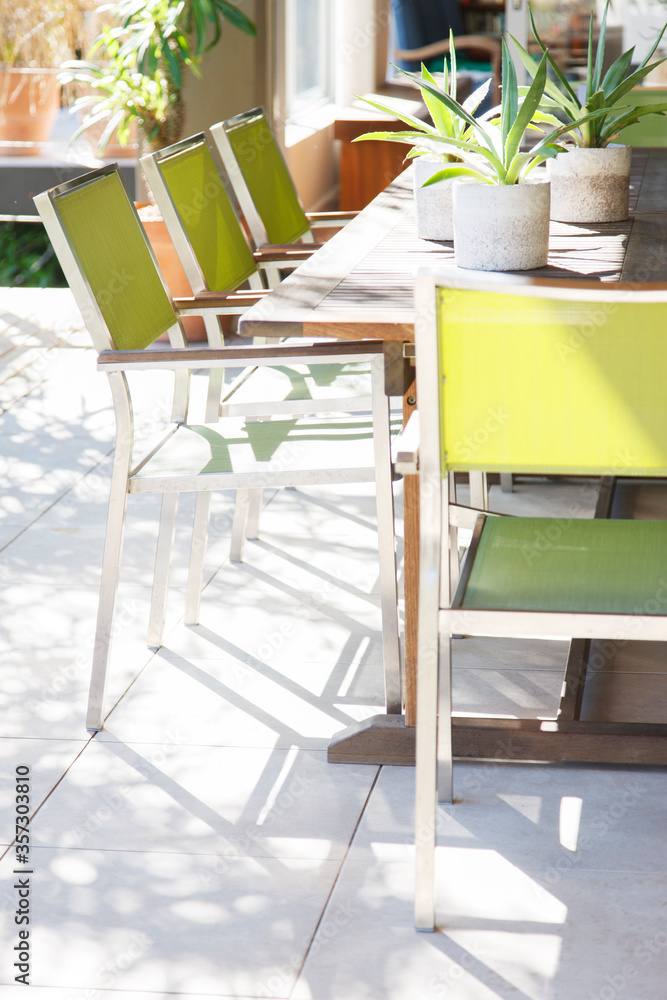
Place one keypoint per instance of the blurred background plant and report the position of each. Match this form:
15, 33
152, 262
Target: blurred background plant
41, 33
27, 259
134, 71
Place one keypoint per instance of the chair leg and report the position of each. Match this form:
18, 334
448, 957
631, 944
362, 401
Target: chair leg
197, 557
384, 500
113, 547
425, 791
479, 491
254, 511
165, 543
445, 762
239, 523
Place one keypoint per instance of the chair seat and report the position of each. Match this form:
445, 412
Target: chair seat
315, 382
306, 450
570, 564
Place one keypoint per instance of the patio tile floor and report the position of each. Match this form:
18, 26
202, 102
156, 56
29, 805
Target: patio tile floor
201, 845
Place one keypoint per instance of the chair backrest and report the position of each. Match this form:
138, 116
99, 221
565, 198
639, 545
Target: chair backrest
261, 180
542, 376
190, 190
107, 260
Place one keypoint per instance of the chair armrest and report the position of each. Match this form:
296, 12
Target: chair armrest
173, 358
285, 252
330, 218
218, 302
405, 447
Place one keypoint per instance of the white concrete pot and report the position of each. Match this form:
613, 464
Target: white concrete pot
590, 185
501, 227
433, 205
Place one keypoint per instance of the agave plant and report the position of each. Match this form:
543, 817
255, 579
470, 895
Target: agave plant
490, 148
602, 92
446, 123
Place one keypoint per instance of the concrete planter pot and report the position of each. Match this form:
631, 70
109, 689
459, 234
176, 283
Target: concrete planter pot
29, 105
501, 227
433, 205
590, 185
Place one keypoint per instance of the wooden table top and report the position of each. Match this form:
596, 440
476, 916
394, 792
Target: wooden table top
360, 284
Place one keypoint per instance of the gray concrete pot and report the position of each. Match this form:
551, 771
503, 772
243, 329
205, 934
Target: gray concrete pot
501, 227
590, 185
433, 205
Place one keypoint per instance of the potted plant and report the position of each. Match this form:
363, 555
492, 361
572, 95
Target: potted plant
134, 70
578, 193
501, 214
433, 204
35, 37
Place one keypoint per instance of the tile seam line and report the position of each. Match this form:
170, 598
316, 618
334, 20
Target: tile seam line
335, 881
49, 794
62, 496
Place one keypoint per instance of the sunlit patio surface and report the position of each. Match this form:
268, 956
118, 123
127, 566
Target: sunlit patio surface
201, 845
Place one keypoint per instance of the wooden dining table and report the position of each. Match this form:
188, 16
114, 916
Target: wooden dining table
360, 285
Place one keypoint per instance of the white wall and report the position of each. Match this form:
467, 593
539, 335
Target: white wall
311, 150
233, 74
237, 75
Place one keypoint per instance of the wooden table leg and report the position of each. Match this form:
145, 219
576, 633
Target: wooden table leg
410, 573
390, 739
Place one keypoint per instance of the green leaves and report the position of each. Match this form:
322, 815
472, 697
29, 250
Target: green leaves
510, 95
521, 117
595, 122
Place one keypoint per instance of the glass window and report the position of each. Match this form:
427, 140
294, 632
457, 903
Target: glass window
309, 35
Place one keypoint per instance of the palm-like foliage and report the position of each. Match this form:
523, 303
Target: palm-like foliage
602, 92
169, 35
490, 148
446, 123
121, 95
135, 67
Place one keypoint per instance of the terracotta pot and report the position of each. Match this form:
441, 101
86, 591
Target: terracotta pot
172, 270
29, 105
433, 205
501, 227
590, 185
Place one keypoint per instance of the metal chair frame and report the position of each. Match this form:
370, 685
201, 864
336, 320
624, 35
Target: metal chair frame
220, 135
442, 608
130, 475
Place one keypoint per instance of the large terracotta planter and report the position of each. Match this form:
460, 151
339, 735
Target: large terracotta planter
433, 205
590, 185
29, 105
501, 227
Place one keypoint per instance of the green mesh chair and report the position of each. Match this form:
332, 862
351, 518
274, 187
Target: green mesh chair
263, 184
111, 270
191, 190
539, 377
198, 206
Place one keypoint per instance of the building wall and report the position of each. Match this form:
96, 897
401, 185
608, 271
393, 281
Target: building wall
234, 74
238, 74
